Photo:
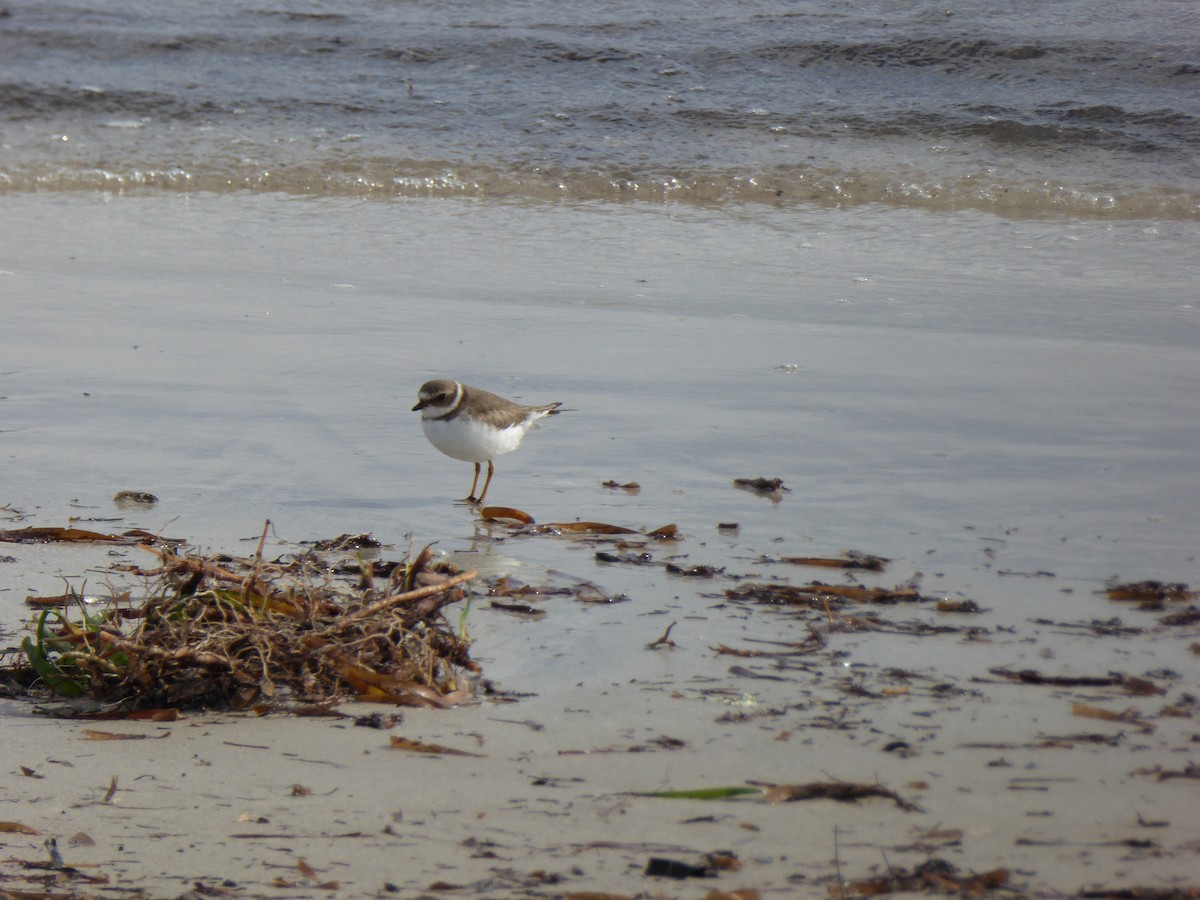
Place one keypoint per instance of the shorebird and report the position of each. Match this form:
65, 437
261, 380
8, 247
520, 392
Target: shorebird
474, 425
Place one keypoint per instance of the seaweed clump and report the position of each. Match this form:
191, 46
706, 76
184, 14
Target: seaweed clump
227, 632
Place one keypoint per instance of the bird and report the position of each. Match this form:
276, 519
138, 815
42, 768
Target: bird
475, 425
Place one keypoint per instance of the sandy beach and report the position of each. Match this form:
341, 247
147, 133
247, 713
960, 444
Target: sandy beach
1003, 409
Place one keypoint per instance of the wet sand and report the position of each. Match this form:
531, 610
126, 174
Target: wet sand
1004, 410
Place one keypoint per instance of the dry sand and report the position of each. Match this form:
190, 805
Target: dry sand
255, 357
545, 803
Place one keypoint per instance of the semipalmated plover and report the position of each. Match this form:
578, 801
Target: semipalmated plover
474, 425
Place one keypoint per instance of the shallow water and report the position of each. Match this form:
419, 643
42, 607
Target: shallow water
1053, 109
923, 384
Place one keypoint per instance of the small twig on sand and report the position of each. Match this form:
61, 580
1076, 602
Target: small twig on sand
664, 640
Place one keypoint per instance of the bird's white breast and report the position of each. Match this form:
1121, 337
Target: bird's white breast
472, 441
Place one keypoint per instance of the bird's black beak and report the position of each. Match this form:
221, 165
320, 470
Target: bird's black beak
420, 405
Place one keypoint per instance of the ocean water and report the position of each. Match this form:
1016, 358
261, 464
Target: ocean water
1071, 107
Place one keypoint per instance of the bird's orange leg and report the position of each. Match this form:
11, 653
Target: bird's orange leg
491, 471
470, 498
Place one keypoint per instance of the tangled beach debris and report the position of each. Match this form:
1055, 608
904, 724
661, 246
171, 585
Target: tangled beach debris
228, 632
